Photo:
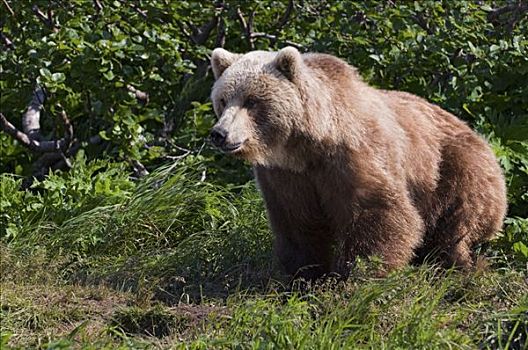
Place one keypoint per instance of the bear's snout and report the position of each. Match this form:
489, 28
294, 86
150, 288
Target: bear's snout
218, 136
219, 139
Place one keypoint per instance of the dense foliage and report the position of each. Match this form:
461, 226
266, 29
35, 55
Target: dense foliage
126, 87
133, 77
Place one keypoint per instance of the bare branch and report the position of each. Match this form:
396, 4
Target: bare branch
200, 35
46, 161
495, 14
220, 34
141, 12
251, 17
52, 160
285, 17
176, 158
14, 132
139, 169
46, 19
30, 136
8, 8
31, 119
25, 140
422, 22
246, 28
183, 149
193, 28
41, 15
63, 163
55, 153
98, 6
141, 96
50, 16
59, 160
184, 30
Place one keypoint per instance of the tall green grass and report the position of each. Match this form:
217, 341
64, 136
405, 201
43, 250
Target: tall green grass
177, 260
173, 225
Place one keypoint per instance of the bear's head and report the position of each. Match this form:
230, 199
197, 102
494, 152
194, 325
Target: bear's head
258, 101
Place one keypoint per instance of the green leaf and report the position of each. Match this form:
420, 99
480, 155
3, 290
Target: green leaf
521, 248
109, 75
44, 72
58, 77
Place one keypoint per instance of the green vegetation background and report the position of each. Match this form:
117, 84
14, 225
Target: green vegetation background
95, 253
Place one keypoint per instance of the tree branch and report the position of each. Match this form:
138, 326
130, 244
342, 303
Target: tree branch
11, 130
495, 14
184, 30
31, 119
139, 169
420, 20
30, 136
200, 35
141, 12
68, 128
285, 17
59, 160
46, 19
8, 8
98, 6
25, 140
246, 28
220, 34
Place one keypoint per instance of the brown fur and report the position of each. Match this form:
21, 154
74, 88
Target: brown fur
348, 170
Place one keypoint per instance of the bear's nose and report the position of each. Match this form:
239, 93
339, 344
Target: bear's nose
218, 136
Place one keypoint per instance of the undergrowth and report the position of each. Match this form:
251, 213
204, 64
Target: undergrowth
176, 260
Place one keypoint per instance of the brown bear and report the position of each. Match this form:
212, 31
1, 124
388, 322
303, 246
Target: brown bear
347, 170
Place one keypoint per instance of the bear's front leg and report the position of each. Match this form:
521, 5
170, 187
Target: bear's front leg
304, 242
302, 255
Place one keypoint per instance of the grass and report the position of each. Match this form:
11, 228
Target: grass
182, 262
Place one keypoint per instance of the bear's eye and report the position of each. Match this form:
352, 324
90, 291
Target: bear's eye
250, 102
222, 103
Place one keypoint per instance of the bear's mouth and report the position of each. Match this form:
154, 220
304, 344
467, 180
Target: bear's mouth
232, 148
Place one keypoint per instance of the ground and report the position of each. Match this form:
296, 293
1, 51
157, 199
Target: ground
422, 306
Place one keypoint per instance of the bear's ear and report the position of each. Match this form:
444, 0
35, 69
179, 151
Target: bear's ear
221, 60
289, 62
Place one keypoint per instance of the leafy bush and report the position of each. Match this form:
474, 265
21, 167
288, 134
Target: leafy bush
61, 196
